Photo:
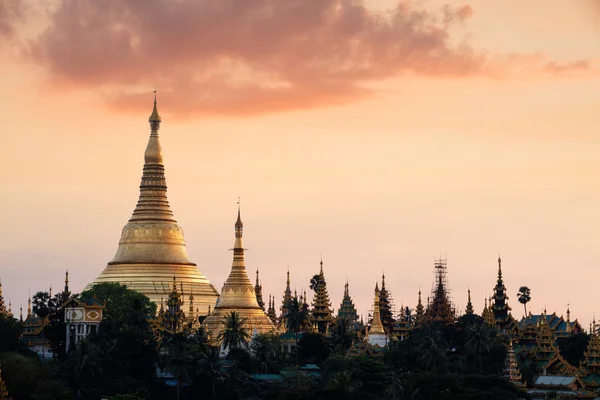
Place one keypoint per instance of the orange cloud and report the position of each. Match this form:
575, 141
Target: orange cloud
11, 11
241, 57
245, 57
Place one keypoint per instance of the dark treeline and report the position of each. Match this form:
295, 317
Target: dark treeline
459, 362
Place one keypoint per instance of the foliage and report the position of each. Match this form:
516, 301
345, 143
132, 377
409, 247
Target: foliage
524, 296
312, 348
267, 351
572, 347
123, 306
234, 333
314, 282
27, 379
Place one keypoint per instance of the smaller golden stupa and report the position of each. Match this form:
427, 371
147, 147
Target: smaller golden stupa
238, 294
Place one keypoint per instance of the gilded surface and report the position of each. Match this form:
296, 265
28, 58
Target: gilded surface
238, 295
152, 248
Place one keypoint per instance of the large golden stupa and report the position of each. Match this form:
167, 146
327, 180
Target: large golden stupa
152, 250
238, 294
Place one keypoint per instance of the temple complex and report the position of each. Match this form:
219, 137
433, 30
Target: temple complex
152, 248
321, 314
238, 295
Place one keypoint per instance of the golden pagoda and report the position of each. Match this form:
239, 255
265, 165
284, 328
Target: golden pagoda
376, 334
152, 248
511, 369
238, 295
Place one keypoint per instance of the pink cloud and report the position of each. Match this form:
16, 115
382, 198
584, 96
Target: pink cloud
11, 11
244, 57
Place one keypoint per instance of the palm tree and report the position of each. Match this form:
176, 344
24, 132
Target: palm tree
479, 341
524, 297
233, 334
180, 361
210, 364
295, 317
433, 349
314, 282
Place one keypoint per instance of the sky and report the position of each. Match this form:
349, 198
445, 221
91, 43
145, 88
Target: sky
380, 134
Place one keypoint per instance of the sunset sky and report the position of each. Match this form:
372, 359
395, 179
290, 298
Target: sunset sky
381, 133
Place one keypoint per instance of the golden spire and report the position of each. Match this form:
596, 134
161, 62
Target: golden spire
376, 325
29, 304
155, 119
238, 293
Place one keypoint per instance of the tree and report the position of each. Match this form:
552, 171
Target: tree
294, 319
233, 334
123, 306
314, 283
524, 296
180, 361
479, 342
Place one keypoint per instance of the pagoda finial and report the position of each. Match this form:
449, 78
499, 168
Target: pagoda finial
154, 118
257, 282
499, 267
239, 227
321, 264
66, 290
383, 281
29, 304
288, 277
21, 313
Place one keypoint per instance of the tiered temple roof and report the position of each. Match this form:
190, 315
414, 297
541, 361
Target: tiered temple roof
419, 311
238, 295
511, 370
385, 307
499, 306
321, 314
271, 310
469, 309
152, 247
258, 292
347, 309
590, 366
548, 359
558, 325
488, 315
285, 303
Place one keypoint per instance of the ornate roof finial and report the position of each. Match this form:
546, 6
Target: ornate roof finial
499, 267
383, 281
154, 118
29, 304
288, 276
66, 290
239, 227
321, 264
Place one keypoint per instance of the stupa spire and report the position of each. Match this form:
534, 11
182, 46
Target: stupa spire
376, 325
66, 290
347, 309
238, 293
499, 303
